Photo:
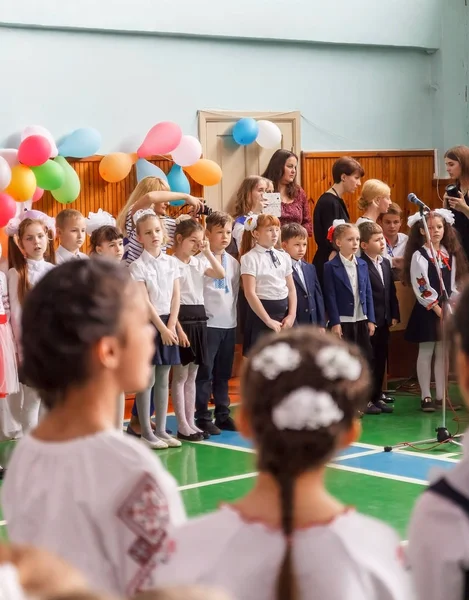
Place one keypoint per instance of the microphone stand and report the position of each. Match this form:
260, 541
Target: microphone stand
442, 433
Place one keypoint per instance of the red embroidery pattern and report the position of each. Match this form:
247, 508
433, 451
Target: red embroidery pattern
145, 512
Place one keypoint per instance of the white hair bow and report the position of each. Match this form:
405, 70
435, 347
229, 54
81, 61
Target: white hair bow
445, 214
413, 219
251, 223
142, 213
14, 224
306, 408
99, 219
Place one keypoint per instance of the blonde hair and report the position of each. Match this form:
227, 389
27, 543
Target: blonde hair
147, 217
148, 184
372, 189
64, 215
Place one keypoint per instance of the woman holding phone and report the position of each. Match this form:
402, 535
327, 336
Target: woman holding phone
457, 196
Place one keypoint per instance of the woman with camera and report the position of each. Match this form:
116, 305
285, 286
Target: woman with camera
457, 195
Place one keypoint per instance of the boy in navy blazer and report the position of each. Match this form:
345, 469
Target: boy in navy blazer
372, 243
310, 303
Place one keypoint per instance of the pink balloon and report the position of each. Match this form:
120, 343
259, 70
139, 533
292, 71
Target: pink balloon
5, 173
163, 138
34, 151
7, 208
38, 194
188, 152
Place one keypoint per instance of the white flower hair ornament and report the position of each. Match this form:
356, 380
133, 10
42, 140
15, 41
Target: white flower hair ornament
306, 408
99, 219
142, 213
445, 214
338, 363
276, 359
330, 231
182, 218
13, 225
415, 218
251, 223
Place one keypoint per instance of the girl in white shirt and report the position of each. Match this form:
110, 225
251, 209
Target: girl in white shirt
158, 275
249, 201
192, 325
267, 280
31, 255
75, 486
288, 537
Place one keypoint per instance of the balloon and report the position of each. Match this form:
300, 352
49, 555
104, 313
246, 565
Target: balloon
178, 182
39, 130
38, 194
115, 167
188, 152
7, 208
10, 155
70, 189
205, 172
3, 243
162, 138
50, 175
269, 135
80, 143
148, 169
23, 183
245, 131
5, 173
34, 151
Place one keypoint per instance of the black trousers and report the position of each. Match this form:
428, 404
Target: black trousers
214, 376
358, 334
379, 345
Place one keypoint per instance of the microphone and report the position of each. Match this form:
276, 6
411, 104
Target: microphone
421, 205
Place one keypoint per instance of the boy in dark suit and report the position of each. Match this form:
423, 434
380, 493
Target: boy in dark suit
310, 303
372, 243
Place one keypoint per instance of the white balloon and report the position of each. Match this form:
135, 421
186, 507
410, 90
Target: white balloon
188, 152
5, 174
39, 130
10, 155
269, 135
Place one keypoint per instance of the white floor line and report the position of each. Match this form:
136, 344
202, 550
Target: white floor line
200, 484
342, 467
2, 523
227, 446
442, 457
356, 455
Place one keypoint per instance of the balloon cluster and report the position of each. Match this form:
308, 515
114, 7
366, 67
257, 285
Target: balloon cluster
162, 139
265, 133
39, 164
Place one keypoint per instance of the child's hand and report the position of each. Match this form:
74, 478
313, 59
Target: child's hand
437, 310
337, 330
371, 328
394, 322
322, 329
274, 325
168, 337
204, 247
288, 322
184, 340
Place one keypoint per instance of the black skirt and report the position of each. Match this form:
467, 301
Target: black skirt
423, 325
165, 355
193, 320
255, 327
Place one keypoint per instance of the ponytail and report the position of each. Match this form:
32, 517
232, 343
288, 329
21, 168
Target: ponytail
286, 584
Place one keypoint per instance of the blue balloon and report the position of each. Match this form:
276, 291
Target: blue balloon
245, 131
148, 169
178, 182
80, 143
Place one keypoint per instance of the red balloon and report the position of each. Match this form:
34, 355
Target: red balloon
38, 194
7, 208
34, 151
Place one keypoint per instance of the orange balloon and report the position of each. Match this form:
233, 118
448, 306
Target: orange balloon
115, 167
23, 183
4, 243
205, 172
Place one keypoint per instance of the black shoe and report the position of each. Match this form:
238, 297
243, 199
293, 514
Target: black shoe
227, 424
209, 427
193, 437
131, 432
2, 473
387, 399
381, 404
427, 405
372, 409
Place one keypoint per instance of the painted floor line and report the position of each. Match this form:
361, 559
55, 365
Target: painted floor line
227, 446
442, 457
356, 455
2, 523
200, 484
342, 467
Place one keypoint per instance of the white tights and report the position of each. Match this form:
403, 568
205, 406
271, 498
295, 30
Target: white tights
424, 368
183, 396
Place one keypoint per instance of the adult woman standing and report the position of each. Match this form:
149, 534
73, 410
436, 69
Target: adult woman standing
457, 165
346, 174
281, 170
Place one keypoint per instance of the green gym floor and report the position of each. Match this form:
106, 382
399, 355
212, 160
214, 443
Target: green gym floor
377, 483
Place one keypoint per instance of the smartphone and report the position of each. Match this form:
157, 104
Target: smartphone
452, 190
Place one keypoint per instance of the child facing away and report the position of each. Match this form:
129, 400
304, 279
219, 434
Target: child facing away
438, 553
71, 232
300, 394
31, 255
386, 309
220, 299
421, 273
391, 222
249, 200
158, 276
267, 280
310, 302
192, 323
86, 337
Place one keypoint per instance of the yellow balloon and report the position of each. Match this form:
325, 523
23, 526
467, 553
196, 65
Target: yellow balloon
205, 172
23, 183
115, 167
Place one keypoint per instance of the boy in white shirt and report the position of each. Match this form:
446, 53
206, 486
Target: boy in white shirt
391, 222
220, 298
71, 231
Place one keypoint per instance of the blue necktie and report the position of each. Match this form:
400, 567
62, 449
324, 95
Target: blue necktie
221, 284
274, 258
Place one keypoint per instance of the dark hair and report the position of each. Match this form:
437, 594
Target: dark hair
275, 170
185, 227
287, 453
461, 155
367, 230
450, 241
65, 214
346, 165
105, 233
293, 230
64, 316
217, 219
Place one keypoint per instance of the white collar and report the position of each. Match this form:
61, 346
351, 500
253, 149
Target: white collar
261, 249
191, 263
378, 260
148, 258
66, 253
346, 262
36, 265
